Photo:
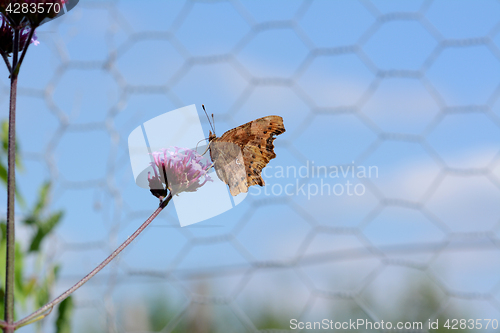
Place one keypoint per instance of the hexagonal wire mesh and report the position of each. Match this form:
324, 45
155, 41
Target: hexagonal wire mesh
406, 90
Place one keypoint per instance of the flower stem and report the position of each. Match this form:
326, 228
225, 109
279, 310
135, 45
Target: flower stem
103, 264
11, 188
17, 67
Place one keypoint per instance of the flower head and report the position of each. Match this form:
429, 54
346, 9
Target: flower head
180, 169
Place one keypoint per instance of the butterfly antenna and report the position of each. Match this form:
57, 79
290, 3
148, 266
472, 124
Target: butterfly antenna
213, 122
213, 129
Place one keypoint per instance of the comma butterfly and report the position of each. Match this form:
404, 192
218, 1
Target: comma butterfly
240, 154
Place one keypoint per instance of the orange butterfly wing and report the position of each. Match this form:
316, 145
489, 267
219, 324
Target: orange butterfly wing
241, 153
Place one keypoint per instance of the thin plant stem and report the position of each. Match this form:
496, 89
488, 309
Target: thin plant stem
11, 189
103, 264
23, 54
35, 319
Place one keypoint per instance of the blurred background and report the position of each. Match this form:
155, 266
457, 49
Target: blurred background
408, 88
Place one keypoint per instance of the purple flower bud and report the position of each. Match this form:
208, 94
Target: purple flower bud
180, 169
156, 187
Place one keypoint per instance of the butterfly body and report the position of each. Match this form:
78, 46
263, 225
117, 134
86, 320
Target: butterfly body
240, 154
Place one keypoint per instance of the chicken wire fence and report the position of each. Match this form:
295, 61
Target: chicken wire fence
364, 104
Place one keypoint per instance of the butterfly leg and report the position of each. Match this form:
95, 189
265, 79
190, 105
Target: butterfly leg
209, 169
206, 150
196, 149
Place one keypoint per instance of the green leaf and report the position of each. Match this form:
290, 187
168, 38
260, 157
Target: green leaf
44, 228
3, 179
30, 220
55, 271
19, 289
3, 173
2, 299
35, 219
4, 136
3, 252
43, 195
3, 228
43, 289
42, 292
63, 322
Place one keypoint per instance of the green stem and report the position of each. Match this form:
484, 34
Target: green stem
39, 314
11, 189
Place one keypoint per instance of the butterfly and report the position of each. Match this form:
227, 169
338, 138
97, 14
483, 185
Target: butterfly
240, 154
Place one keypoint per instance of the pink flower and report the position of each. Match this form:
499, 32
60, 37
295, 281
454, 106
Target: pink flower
34, 40
180, 169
